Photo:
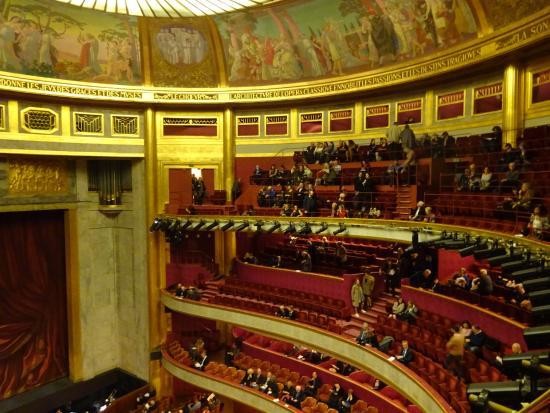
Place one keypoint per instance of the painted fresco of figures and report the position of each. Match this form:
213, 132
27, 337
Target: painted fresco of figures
181, 45
67, 42
288, 42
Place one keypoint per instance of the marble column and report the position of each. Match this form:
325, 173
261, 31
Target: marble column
513, 103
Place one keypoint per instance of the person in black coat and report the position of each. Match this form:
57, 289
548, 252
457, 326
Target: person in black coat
248, 378
406, 355
310, 203
298, 397
313, 384
336, 394
347, 402
476, 339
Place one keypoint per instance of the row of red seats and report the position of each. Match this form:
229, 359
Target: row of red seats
492, 303
303, 316
283, 296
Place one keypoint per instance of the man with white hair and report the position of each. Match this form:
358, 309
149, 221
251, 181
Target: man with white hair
419, 213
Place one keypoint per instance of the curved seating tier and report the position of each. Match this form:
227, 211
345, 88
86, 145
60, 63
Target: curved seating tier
370, 360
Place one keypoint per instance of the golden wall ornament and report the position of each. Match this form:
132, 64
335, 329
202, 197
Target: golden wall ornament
39, 120
125, 125
2, 117
30, 176
88, 123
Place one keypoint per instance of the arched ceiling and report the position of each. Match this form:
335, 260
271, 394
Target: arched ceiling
167, 8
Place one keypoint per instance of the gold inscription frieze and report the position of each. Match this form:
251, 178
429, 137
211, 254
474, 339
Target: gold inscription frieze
37, 176
524, 35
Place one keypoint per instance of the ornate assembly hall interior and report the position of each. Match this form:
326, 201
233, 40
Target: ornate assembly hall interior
241, 206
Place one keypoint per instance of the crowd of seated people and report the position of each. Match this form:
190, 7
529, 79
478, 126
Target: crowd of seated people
508, 290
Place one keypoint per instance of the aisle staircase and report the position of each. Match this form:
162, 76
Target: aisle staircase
405, 201
351, 329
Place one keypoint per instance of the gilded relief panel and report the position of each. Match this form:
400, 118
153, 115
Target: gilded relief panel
37, 176
50, 39
182, 53
289, 42
25, 180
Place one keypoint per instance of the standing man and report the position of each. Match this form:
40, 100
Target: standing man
408, 138
368, 287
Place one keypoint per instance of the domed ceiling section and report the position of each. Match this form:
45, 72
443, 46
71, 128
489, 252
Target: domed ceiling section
283, 42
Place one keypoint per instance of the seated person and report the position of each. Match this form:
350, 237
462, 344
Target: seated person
523, 197
463, 181
462, 279
282, 312
406, 355
298, 397
486, 180
259, 378
475, 340
336, 394
466, 329
419, 213
313, 384
194, 405
296, 212
286, 211
288, 392
538, 223
342, 368
423, 279
265, 386
249, 378
291, 313
430, 215
367, 337
397, 308
410, 313
349, 400
483, 284
250, 258
202, 361
180, 291
511, 179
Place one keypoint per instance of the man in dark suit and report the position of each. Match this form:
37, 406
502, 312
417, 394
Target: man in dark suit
419, 213
406, 355
362, 337
335, 396
313, 385
347, 402
298, 397
476, 339
202, 361
248, 378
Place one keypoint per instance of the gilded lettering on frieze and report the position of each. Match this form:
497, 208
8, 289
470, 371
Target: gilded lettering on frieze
37, 176
185, 96
524, 34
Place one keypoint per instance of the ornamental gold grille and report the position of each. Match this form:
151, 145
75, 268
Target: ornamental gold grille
125, 125
190, 121
88, 123
40, 120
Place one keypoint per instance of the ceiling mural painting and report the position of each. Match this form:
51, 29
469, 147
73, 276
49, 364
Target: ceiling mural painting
182, 53
315, 38
54, 40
